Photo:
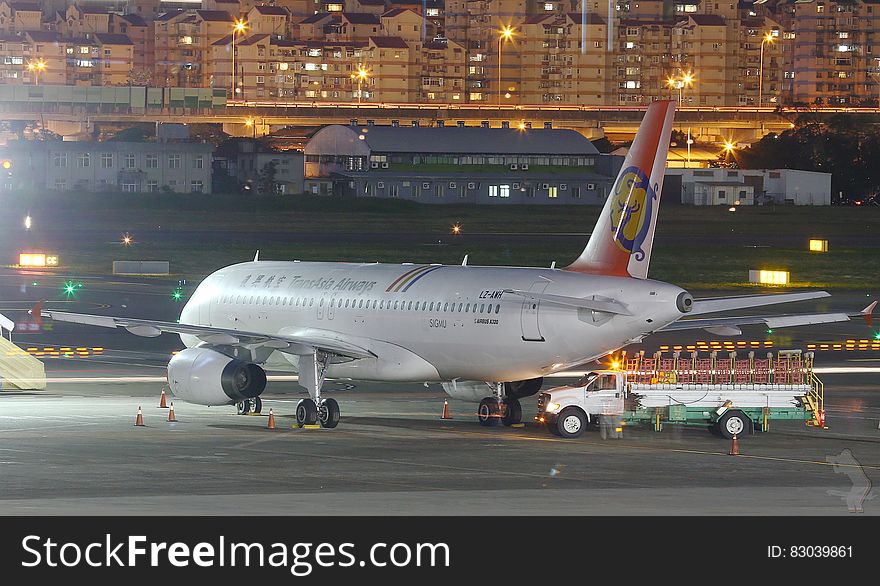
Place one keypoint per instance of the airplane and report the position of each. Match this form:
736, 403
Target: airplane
488, 334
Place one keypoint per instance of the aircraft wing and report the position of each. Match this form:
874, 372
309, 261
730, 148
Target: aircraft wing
291, 344
730, 326
716, 304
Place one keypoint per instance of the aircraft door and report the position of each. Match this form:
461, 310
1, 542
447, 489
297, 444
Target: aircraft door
531, 331
331, 310
209, 304
320, 310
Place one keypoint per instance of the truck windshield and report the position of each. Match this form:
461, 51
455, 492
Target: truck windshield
596, 382
586, 379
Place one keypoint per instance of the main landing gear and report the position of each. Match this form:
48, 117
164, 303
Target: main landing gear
499, 408
315, 409
249, 406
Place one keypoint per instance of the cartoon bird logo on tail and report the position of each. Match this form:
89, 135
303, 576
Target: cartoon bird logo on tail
631, 212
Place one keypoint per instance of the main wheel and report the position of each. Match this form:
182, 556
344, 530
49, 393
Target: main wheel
512, 412
571, 422
328, 414
489, 412
733, 423
256, 405
244, 407
306, 412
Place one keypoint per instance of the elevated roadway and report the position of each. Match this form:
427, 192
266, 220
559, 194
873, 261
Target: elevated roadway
254, 118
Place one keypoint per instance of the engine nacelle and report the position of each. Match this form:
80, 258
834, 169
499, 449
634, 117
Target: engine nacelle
475, 391
521, 389
207, 377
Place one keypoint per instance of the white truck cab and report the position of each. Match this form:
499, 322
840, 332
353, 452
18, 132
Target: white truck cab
567, 410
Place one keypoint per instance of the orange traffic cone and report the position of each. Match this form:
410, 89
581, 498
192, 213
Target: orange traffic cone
139, 422
271, 420
171, 416
734, 446
162, 404
446, 414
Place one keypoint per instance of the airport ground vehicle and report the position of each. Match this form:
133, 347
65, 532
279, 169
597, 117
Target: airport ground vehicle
729, 395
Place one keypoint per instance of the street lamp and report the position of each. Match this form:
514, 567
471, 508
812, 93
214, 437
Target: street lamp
361, 76
238, 27
679, 83
250, 123
768, 38
505, 34
36, 67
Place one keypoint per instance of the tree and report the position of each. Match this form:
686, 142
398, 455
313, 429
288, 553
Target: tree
266, 181
844, 145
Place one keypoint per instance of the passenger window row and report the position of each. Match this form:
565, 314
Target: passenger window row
375, 304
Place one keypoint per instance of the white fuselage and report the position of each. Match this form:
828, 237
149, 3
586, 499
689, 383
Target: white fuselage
432, 322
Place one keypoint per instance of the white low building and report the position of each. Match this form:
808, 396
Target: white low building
723, 186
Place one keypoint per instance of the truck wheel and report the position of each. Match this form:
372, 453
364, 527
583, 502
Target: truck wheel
571, 422
733, 422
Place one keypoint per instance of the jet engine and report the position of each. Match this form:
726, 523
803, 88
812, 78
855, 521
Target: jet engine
523, 388
476, 391
207, 377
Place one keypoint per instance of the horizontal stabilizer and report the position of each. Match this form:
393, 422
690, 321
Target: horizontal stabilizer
716, 304
720, 325
606, 305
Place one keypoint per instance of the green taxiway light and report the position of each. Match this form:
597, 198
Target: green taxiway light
769, 331
877, 336
177, 295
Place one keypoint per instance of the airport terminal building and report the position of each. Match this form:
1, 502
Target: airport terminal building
459, 165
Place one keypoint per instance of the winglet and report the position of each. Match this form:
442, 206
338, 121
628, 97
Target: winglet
257, 256
464, 261
37, 312
868, 314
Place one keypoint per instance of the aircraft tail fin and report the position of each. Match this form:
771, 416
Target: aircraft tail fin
621, 242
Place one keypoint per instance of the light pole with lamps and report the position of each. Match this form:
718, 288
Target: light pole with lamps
504, 34
679, 83
361, 75
239, 26
768, 38
36, 67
